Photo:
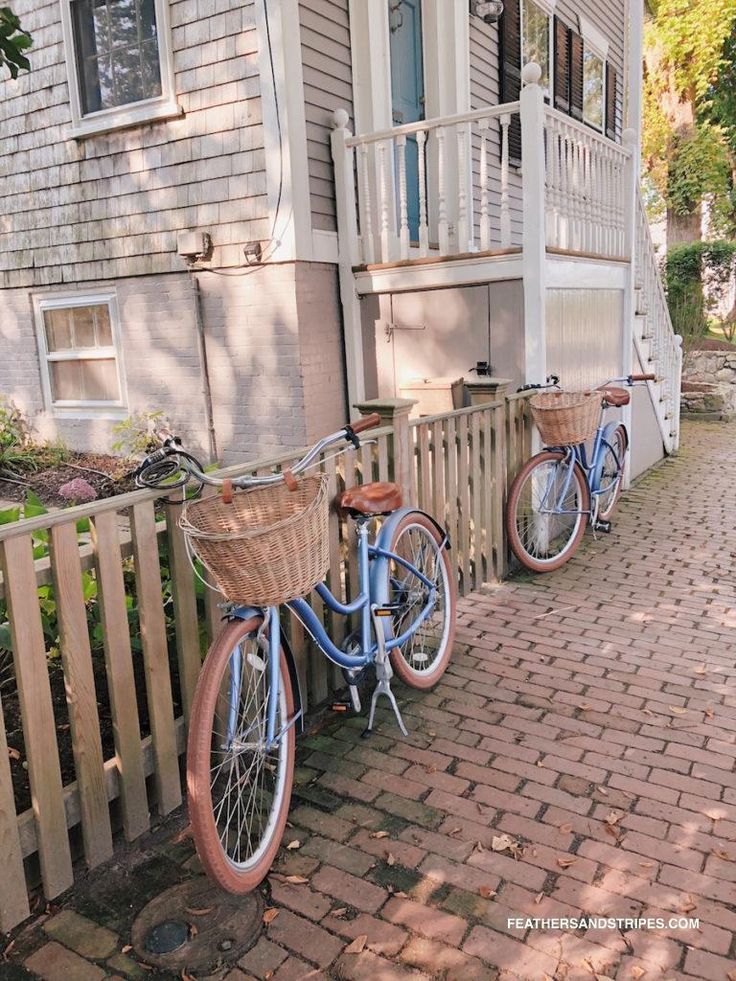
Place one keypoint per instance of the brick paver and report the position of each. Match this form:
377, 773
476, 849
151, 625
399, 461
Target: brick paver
589, 715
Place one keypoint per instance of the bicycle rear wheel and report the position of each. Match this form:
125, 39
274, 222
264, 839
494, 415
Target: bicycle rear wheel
421, 661
238, 788
546, 513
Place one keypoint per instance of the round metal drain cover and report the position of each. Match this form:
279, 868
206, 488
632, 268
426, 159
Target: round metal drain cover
195, 927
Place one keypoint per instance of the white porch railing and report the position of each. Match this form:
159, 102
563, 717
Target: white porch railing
585, 180
655, 339
376, 176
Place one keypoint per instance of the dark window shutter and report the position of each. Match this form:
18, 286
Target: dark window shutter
562, 66
510, 35
611, 96
576, 75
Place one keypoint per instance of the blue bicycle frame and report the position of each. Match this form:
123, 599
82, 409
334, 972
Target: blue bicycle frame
592, 467
373, 564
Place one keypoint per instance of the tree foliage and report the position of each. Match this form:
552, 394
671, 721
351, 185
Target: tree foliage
13, 42
688, 110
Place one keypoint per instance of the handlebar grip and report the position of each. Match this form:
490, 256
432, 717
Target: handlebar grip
165, 436
368, 422
643, 378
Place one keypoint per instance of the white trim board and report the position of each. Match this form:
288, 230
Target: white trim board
594, 39
440, 275
286, 156
568, 272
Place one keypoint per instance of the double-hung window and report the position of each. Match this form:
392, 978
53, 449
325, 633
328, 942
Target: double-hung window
78, 342
595, 52
119, 63
536, 35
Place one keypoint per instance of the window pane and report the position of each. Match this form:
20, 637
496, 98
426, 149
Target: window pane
83, 319
535, 40
117, 52
102, 322
84, 381
593, 89
58, 329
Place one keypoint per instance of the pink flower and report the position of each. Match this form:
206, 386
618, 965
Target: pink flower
78, 490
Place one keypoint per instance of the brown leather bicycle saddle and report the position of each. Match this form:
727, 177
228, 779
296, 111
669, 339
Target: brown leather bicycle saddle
615, 396
376, 498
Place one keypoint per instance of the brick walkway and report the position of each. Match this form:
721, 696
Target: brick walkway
588, 715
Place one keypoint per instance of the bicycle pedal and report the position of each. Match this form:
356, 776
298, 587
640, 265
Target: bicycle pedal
604, 526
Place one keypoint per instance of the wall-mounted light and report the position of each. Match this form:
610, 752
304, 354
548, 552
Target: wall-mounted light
489, 10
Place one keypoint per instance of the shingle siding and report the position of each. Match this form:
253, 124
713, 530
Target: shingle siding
112, 205
328, 85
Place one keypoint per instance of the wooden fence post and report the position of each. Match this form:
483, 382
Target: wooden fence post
395, 413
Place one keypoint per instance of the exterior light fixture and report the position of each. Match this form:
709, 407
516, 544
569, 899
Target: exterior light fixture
489, 10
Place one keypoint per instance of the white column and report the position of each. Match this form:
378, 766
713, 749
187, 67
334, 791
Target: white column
631, 191
534, 255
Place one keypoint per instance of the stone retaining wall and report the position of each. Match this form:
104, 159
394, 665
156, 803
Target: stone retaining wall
709, 383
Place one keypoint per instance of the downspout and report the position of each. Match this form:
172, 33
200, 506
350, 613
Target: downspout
202, 351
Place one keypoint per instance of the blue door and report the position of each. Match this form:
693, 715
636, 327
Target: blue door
407, 89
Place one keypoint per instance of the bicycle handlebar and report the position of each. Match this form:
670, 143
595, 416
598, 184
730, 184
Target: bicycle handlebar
643, 378
182, 465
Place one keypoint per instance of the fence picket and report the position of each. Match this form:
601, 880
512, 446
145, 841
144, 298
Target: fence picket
120, 677
186, 618
463, 489
452, 489
155, 656
476, 491
81, 696
39, 726
14, 905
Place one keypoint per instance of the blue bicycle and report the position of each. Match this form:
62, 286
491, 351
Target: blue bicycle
561, 490
247, 705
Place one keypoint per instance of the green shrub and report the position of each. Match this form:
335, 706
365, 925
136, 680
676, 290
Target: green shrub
135, 435
697, 274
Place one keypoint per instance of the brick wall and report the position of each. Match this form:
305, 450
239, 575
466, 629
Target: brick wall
274, 350
111, 206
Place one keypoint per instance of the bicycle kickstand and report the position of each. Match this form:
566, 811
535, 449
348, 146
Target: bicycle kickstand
384, 674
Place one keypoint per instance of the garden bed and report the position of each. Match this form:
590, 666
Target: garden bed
108, 475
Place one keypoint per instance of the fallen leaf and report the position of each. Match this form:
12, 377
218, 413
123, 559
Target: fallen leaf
688, 905
612, 832
378, 834
358, 945
195, 911
186, 976
637, 973
731, 976
430, 733
566, 828
297, 880
538, 898
709, 713
401, 895
647, 865
267, 975
723, 855
126, 948
613, 818
293, 845
182, 835
603, 977
540, 764
455, 831
677, 709
270, 915
565, 863
14, 754
602, 790
390, 859
584, 707
701, 670
486, 892
339, 912
478, 847
647, 712
193, 930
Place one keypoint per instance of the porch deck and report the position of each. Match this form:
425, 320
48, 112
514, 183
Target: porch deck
586, 714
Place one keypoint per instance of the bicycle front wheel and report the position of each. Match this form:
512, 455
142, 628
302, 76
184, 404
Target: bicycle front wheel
422, 659
238, 787
547, 511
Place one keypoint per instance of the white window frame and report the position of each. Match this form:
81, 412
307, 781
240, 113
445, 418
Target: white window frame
547, 7
595, 43
163, 106
78, 408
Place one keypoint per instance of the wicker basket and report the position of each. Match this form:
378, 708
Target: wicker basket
565, 418
268, 546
